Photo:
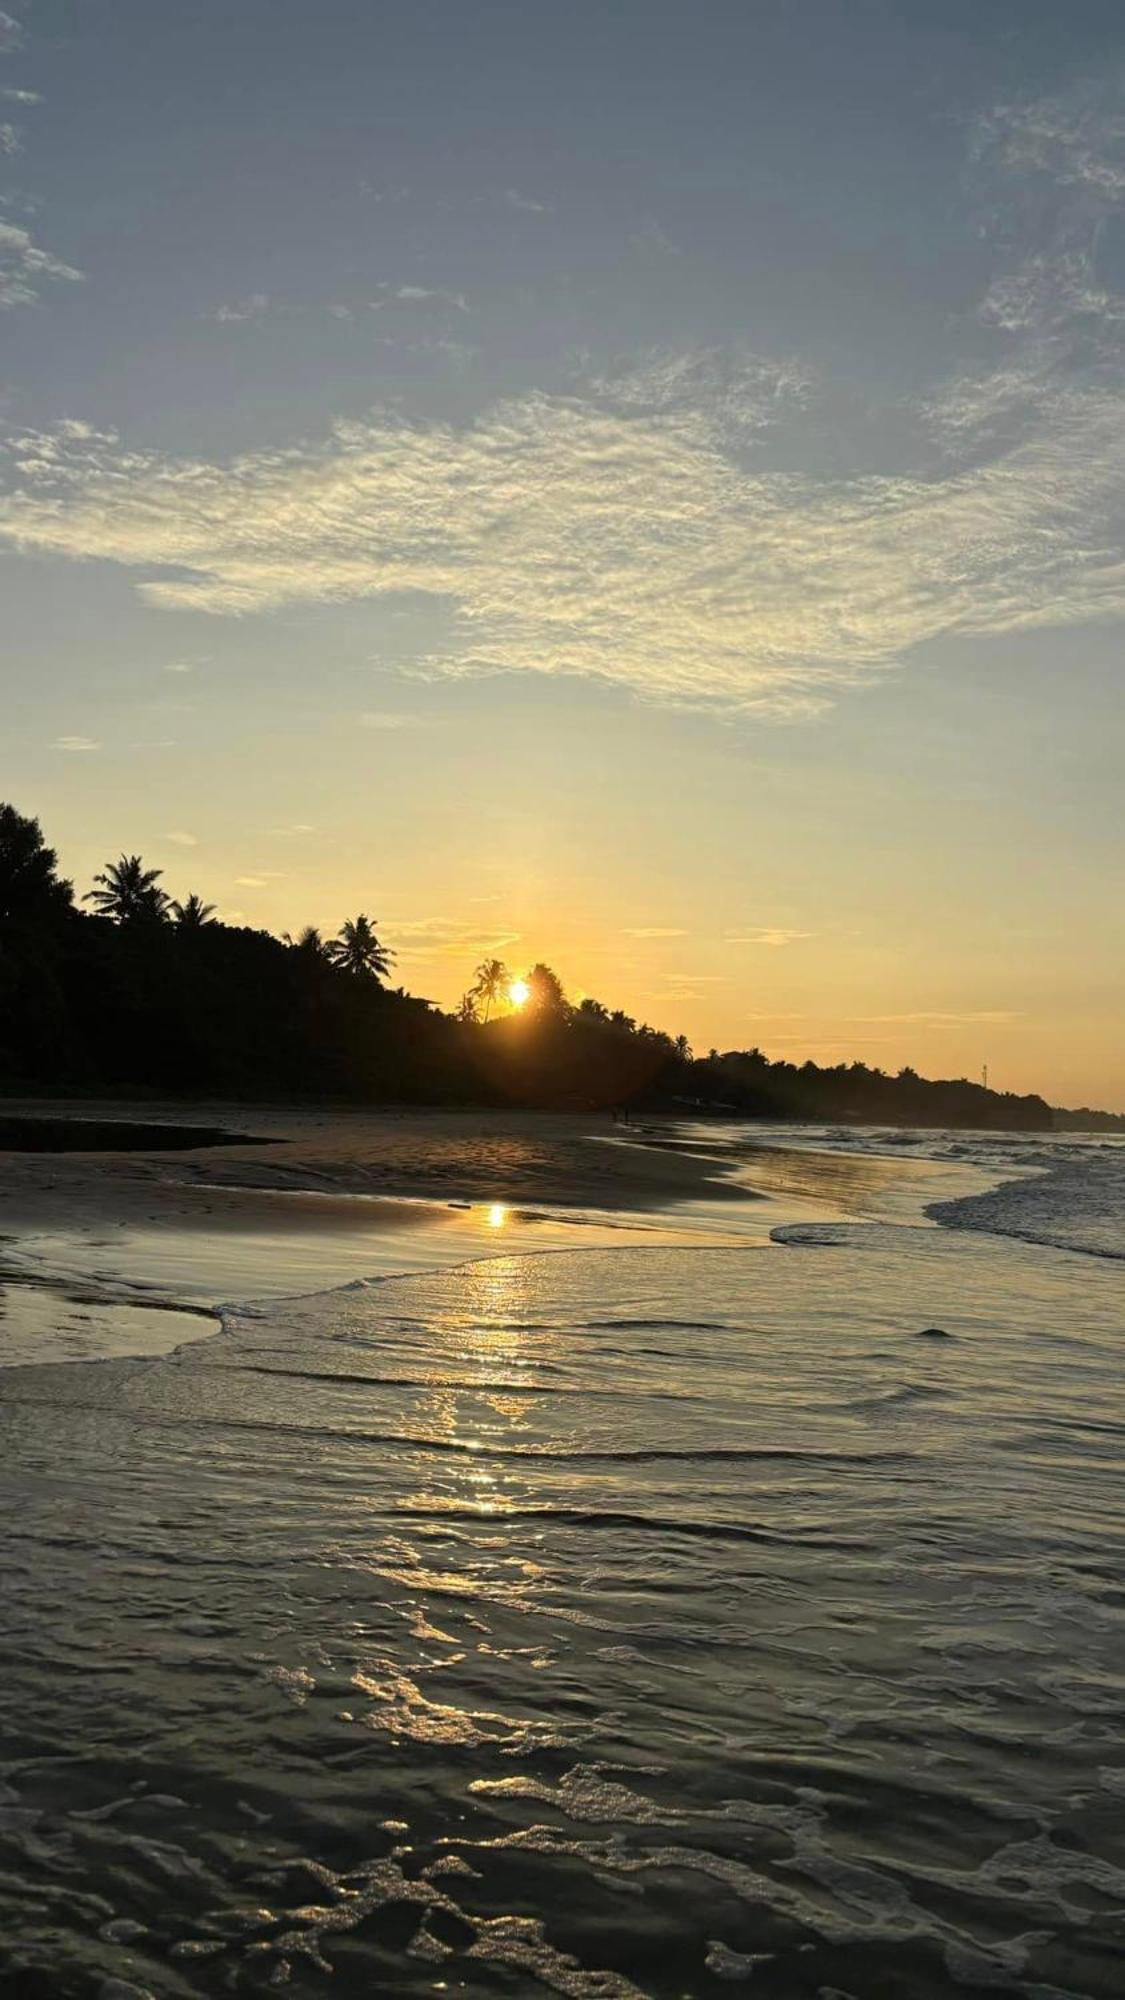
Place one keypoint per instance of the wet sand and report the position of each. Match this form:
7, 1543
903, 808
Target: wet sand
514, 1157
97, 1248
94, 1245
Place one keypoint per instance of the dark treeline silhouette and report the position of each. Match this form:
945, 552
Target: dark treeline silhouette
150, 995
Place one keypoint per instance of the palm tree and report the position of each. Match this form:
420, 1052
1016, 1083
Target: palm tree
683, 1048
310, 943
194, 914
466, 1009
126, 891
492, 982
357, 950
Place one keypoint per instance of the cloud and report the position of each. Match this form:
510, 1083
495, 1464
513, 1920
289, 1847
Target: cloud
512, 198
634, 530
241, 311
445, 937
77, 743
9, 96
653, 931
998, 1017
378, 718
181, 839
770, 935
9, 139
651, 239
178, 667
420, 295
623, 543
11, 33
627, 544
24, 266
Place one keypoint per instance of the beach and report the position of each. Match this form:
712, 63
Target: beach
690, 1566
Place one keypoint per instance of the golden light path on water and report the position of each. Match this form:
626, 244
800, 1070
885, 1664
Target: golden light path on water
602, 1624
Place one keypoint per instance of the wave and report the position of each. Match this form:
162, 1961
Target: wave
1075, 1203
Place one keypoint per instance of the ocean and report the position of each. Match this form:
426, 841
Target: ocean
645, 1617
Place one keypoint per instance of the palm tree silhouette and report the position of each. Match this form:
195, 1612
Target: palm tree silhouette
357, 950
126, 891
309, 943
193, 914
491, 982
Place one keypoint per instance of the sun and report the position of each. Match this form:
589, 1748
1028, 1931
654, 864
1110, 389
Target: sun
519, 993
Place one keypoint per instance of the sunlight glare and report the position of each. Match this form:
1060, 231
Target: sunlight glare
519, 993
497, 1214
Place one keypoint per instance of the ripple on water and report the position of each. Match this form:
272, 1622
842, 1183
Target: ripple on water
611, 1624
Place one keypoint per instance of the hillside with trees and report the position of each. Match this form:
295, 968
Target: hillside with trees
147, 995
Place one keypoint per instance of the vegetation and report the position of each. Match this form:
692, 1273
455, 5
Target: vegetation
147, 994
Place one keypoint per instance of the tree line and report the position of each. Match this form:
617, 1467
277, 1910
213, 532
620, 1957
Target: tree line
149, 994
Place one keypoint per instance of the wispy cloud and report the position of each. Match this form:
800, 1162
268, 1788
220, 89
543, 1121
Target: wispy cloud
445, 937
25, 266
241, 310
180, 839
512, 198
388, 718
76, 743
653, 931
632, 530
420, 295
771, 935
983, 1017
576, 538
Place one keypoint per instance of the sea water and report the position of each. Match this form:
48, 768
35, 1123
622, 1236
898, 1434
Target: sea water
658, 1620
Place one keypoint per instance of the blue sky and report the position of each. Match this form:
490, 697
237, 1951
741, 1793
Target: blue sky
552, 474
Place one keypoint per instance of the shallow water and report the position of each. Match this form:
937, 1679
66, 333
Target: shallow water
644, 1620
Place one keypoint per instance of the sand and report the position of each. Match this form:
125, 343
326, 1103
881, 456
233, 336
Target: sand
514, 1157
331, 1198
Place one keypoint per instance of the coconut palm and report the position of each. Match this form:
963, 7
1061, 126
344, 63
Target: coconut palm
466, 1009
127, 891
309, 943
357, 950
193, 914
492, 982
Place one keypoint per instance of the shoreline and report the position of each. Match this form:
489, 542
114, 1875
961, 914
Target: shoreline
310, 1201
104, 1253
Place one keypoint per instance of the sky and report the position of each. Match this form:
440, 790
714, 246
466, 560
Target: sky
640, 486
